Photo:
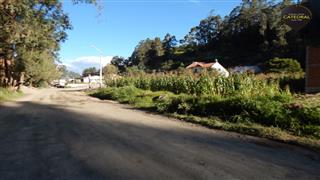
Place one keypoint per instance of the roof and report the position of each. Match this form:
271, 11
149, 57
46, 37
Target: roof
200, 64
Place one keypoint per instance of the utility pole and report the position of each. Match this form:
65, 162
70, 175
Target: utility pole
101, 54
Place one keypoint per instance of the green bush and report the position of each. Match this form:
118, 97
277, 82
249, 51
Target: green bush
311, 130
124, 95
307, 115
283, 65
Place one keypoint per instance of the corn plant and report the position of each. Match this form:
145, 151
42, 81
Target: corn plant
242, 85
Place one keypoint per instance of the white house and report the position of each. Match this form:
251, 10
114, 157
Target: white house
197, 67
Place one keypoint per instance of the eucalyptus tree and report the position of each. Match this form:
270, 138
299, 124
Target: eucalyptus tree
169, 42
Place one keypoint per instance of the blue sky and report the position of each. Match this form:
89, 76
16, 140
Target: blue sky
123, 23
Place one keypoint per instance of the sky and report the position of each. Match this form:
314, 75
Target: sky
121, 24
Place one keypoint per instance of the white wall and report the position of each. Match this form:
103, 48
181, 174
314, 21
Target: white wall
217, 66
92, 79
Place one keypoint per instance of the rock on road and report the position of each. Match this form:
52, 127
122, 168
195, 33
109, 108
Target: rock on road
64, 134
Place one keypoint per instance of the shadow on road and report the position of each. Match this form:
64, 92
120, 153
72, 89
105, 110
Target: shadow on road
39, 141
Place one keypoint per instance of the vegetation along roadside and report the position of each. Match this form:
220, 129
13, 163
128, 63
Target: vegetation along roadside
242, 103
7, 94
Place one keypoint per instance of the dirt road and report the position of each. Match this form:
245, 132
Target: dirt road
61, 134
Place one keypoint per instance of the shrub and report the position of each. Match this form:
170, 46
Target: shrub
307, 115
123, 95
283, 65
42, 84
311, 130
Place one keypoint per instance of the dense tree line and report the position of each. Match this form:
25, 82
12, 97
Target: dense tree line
252, 34
30, 37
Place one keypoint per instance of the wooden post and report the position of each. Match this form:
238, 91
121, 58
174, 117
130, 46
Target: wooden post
313, 70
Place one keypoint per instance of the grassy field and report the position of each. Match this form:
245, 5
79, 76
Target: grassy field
246, 104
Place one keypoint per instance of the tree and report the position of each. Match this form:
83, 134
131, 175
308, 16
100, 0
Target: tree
138, 57
252, 33
169, 43
120, 62
92, 71
148, 53
39, 71
154, 55
167, 65
30, 36
31, 30
283, 65
206, 32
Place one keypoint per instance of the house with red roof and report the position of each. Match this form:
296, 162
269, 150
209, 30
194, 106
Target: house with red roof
197, 67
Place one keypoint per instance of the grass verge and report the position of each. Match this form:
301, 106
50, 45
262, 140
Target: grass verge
272, 133
7, 94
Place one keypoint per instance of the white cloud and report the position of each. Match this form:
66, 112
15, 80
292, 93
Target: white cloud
80, 63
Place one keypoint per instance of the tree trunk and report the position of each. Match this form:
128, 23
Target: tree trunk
2, 73
8, 72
